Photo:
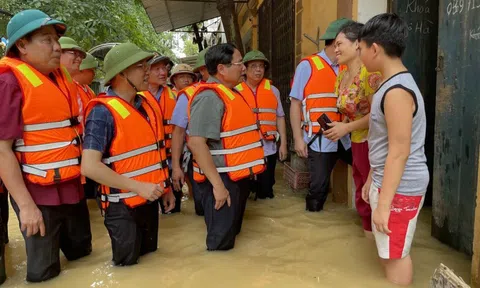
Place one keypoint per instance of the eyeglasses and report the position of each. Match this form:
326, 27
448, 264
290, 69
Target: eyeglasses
234, 63
75, 54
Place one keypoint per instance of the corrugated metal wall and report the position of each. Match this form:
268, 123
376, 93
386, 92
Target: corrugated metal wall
420, 58
457, 123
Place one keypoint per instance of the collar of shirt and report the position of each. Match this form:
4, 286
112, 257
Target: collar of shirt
137, 103
213, 79
159, 93
325, 57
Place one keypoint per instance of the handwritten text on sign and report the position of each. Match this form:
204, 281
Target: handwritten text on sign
415, 6
475, 33
420, 27
461, 6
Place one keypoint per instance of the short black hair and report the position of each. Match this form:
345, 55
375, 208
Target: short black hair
329, 42
351, 30
387, 30
219, 54
14, 52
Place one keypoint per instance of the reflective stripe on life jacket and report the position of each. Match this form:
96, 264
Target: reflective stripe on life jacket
242, 147
319, 95
167, 103
264, 104
49, 151
137, 150
85, 94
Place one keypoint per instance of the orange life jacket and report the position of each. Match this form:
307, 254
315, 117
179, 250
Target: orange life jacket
85, 94
167, 103
264, 104
138, 149
242, 147
319, 95
50, 148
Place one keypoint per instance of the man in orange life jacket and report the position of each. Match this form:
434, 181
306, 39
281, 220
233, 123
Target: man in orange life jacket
124, 151
226, 145
166, 99
264, 99
72, 56
85, 77
180, 122
182, 77
39, 141
312, 94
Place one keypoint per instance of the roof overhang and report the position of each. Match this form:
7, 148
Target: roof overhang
167, 15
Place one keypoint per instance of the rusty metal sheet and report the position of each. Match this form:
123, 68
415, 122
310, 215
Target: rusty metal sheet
420, 58
173, 14
457, 123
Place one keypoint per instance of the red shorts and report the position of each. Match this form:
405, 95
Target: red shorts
402, 223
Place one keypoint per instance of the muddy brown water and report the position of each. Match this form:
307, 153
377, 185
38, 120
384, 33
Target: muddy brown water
281, 245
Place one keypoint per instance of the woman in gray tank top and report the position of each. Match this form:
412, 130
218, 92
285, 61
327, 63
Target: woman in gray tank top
399, 176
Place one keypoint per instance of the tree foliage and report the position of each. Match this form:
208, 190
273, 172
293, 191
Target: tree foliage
93, 22
189, 48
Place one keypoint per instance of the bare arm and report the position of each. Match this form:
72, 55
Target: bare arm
282, 129
399, 108
177, 149
12, 176
177, 145
296, 118
359, 124
30, 216
198, 146
93, 168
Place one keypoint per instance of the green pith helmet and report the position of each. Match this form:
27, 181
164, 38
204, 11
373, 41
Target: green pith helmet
89, 63
28, 21
67, 43
121, 57
200, 60
333, 28
255, 55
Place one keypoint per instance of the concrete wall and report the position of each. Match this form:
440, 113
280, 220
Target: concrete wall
312, 15
369, 8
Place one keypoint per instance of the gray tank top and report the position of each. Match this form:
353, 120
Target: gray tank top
415, 177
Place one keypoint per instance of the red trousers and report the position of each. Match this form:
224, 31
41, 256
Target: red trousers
361, 168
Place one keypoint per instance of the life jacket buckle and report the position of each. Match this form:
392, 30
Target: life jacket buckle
74, 121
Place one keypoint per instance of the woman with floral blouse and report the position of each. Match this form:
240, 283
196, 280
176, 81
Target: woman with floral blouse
354, 88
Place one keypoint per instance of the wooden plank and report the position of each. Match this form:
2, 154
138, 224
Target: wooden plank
476, 239
446, 278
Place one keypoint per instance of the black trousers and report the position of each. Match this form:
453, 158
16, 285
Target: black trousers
178, 199
90, 189
133, 232
67, 228
197, 193
224, 224
263, 185
3, 236
321, 165
4, 213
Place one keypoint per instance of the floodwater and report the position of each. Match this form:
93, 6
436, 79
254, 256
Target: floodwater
281, 245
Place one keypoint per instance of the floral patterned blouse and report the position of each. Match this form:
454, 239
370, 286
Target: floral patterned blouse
353, 101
